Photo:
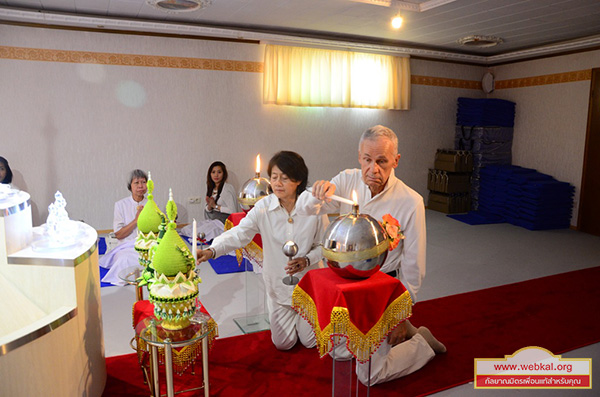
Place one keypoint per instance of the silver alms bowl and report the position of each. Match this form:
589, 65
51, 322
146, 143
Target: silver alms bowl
355, 245
253, 190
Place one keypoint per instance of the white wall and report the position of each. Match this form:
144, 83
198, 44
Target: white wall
551, 120
64, 125
82, 127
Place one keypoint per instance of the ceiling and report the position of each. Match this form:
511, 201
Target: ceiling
431, 28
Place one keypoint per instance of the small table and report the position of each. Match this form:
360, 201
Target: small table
362, 311
151, 332
130, 275
253, 252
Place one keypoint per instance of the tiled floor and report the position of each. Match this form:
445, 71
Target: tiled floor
460, 258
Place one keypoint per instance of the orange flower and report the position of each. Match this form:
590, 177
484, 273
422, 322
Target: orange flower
387, 218
392, 228
393, 244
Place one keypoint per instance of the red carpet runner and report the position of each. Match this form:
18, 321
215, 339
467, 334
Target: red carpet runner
553, 312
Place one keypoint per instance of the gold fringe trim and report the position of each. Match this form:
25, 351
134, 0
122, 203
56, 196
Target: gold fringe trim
362, 346
183, 357
252, 251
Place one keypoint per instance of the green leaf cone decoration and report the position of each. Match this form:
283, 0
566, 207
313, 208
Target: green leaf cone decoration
171, 213
171, 255
150, 217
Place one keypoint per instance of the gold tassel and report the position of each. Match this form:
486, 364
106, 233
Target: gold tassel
359, 344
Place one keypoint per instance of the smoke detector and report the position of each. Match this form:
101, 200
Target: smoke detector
179, 5
480, 41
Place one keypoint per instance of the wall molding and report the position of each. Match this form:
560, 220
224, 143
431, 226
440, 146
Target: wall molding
445, 82
158, 61
556, 78
105, 58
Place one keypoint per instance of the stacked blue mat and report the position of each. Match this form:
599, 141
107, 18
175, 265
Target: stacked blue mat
485, 112
537, 201
522, 197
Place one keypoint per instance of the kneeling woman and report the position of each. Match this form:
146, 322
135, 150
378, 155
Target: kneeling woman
275, 218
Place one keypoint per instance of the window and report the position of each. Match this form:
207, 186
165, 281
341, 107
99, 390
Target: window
301, 76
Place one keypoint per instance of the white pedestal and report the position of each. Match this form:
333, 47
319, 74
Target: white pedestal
51, 339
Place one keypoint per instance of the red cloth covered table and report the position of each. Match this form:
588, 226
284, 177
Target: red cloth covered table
252, 251
182, 357
363, 311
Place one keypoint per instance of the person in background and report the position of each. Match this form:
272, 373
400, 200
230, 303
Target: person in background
6, 174
277, 221
221, 199
126, 213
380, 192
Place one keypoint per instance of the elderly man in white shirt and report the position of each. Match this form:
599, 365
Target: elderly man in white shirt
379, 192
126, 213
276, 219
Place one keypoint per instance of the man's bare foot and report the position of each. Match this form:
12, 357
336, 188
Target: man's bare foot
435, 344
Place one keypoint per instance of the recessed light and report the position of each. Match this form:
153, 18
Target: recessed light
480, 41
179, 5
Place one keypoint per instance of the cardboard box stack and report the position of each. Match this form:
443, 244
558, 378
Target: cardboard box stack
449, 182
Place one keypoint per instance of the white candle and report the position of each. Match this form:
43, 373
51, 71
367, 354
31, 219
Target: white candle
194, 239
336, 198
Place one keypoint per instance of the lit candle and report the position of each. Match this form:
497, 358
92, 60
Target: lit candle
194, 239
258, 165
355, 203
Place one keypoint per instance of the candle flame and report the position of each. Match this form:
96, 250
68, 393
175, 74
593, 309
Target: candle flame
258, 163
354, 197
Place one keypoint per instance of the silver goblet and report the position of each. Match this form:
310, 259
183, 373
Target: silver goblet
290, 249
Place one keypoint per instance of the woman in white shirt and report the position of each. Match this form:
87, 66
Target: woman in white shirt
277, 221
221, 200
125, 218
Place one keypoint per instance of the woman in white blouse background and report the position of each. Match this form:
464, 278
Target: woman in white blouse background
221, 200
277, 221
126, 214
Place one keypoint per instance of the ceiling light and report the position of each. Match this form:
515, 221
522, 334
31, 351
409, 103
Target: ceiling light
179, 5
480, 41
397, 21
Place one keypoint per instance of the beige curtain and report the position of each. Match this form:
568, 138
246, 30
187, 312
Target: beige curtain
300, 76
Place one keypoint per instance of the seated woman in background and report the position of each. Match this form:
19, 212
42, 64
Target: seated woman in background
275, 218
125, 229
5, 171
221, 199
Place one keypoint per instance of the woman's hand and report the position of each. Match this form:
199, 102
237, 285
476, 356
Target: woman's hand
211, 203
296, 265
139, 210
204, 255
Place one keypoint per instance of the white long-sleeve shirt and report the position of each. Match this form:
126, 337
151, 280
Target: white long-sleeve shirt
227, 200
396, 199
125, 211
271, 220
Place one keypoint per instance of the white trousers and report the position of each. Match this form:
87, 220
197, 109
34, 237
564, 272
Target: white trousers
287, 327
388, 363
118, 259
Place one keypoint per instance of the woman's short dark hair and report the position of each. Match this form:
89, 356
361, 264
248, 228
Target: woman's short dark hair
9, 174
291, 164
210, 184
134, 175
